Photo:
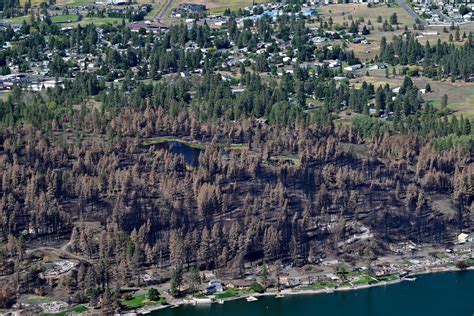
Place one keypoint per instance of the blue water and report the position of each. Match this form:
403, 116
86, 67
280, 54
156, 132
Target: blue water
440, 294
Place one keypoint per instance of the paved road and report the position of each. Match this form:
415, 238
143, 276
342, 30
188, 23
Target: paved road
163, 10
410, 12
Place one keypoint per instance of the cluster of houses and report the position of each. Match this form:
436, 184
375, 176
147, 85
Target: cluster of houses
185, 9
38, 75
439, 12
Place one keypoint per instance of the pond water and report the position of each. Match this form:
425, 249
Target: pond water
190, 154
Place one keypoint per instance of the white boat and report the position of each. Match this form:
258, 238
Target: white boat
220, 301
410, 279
252, 299
279, 296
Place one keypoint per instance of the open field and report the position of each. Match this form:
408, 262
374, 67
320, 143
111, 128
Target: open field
18, 19
444, 37
460, 94
33, 2
217, 6
4, 95
97, 21
460, 97
74, 3
69, 18
341, 12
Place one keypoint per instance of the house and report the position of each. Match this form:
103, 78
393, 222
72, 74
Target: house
462, 238
239, 284
333, 63
353, 67
215, 286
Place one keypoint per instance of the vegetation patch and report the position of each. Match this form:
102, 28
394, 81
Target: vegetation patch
234, 293
387, 278
321, 285
38, 299
140, 301
68, 18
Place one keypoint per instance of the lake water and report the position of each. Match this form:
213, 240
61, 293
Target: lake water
190, 154
440, 294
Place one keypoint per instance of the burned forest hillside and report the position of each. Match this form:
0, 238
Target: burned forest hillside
258, 192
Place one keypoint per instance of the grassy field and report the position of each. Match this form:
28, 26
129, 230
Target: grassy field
460, 97
4, 95
233, 293
37, 299
74, 3
218, 6
97, 21
341, 12
156, 7
460, 94
18, 19
33, 2
321, 285
140, 301
69, 18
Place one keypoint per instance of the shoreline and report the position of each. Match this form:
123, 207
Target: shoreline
147, 310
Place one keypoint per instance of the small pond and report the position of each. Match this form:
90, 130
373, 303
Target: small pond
190, 154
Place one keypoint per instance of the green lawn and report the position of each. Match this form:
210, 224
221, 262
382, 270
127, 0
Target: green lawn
18, 19
233, 293
99, 21
76, 310
387, 278
79, 309
136, 302
68, 18
363, 279
140, 301
321, 285
38, 299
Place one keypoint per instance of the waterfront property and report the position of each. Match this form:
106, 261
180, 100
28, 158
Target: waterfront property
434, 294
